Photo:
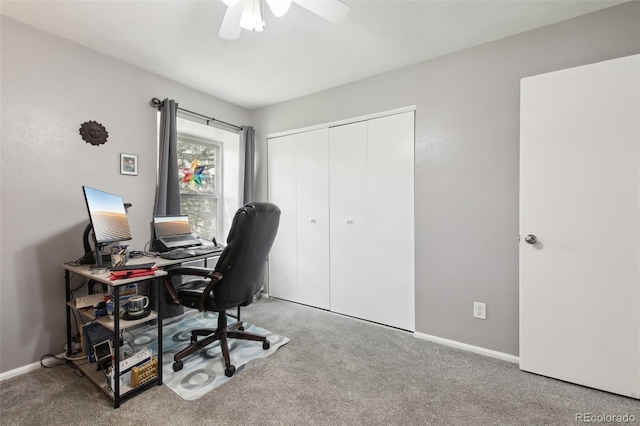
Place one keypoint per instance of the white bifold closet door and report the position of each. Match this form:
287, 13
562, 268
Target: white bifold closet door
298, 176
283, 258
371, 177
580, 199
313, 218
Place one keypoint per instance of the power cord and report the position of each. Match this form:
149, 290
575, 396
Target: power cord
65, 360
146, 251
48, 356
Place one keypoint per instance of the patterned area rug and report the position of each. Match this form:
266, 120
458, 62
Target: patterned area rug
202, 371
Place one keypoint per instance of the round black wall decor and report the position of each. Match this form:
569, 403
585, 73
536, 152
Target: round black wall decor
94, 133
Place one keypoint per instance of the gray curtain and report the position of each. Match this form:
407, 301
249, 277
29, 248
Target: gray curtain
168, 191
247, 165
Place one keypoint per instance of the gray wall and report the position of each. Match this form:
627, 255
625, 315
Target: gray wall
49, 87
466, 167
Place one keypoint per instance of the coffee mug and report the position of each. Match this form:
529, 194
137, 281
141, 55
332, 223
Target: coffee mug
137, 304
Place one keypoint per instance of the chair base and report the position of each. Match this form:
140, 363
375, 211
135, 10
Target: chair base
222, 333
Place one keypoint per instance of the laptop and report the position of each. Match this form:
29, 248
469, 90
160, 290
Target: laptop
174, 231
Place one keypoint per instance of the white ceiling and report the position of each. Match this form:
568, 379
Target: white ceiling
295, 55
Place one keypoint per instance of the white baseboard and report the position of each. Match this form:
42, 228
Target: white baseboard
31, 367
477, 349
19, 371
471, 348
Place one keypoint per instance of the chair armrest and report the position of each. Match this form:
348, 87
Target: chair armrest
207, 273
215, 277
170, 291
191, 270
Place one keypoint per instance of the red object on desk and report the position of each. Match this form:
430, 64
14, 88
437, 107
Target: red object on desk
132, 273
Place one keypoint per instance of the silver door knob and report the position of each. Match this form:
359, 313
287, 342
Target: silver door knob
530, 239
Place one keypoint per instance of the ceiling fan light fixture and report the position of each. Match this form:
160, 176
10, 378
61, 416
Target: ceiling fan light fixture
279, 7
249, 14
251, 18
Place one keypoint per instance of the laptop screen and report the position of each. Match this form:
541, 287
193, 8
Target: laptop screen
166, 226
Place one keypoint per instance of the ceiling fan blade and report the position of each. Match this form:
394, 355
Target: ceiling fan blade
279, 7
230, 28
332, 10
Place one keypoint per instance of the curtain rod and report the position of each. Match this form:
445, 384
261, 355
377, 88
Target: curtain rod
157, 103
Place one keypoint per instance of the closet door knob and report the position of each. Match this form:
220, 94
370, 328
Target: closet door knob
530, 239
312, 220
348, 222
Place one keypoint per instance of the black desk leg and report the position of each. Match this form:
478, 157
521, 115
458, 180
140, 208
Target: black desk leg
160, 287
115, 383
67, 285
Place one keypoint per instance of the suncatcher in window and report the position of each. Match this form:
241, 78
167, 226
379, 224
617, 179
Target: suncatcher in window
200, 175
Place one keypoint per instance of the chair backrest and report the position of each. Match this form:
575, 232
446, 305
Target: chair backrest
243, 260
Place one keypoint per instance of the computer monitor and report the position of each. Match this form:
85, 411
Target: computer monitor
108, 219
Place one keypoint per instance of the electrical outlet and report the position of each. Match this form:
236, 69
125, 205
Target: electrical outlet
480, 310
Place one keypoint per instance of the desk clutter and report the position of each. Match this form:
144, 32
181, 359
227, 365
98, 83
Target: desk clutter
135, 370
144, 373
102, 304
133, 271
95, 333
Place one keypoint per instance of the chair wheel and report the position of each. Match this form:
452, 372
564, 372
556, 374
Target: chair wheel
177, 366
229, 371
266, 345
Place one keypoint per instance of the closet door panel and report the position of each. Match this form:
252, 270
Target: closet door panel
313, 217
282, 186
391, 218
348, 219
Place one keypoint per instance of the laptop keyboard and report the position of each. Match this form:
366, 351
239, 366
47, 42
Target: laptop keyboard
208, 249
175, 238
185, 253
179, 253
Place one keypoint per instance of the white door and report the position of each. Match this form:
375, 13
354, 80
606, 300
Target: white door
580, 197
281, 168
350, 285
313, 218
391, 240
371, 214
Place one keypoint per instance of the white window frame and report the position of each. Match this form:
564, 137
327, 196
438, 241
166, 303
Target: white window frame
219, 195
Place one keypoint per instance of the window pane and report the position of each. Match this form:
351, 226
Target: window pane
202, 214
197, 167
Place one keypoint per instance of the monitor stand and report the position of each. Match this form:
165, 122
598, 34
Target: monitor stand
99, 267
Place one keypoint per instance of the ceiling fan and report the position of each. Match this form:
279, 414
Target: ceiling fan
249, 14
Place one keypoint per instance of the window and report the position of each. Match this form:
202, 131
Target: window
200, 176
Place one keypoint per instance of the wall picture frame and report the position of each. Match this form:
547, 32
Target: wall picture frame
128, 164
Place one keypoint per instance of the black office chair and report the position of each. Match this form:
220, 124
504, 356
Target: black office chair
234, 282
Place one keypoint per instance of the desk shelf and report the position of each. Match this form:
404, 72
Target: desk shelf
89, 369
117, 392
107, 322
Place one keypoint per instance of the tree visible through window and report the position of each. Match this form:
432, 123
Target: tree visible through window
200, 183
